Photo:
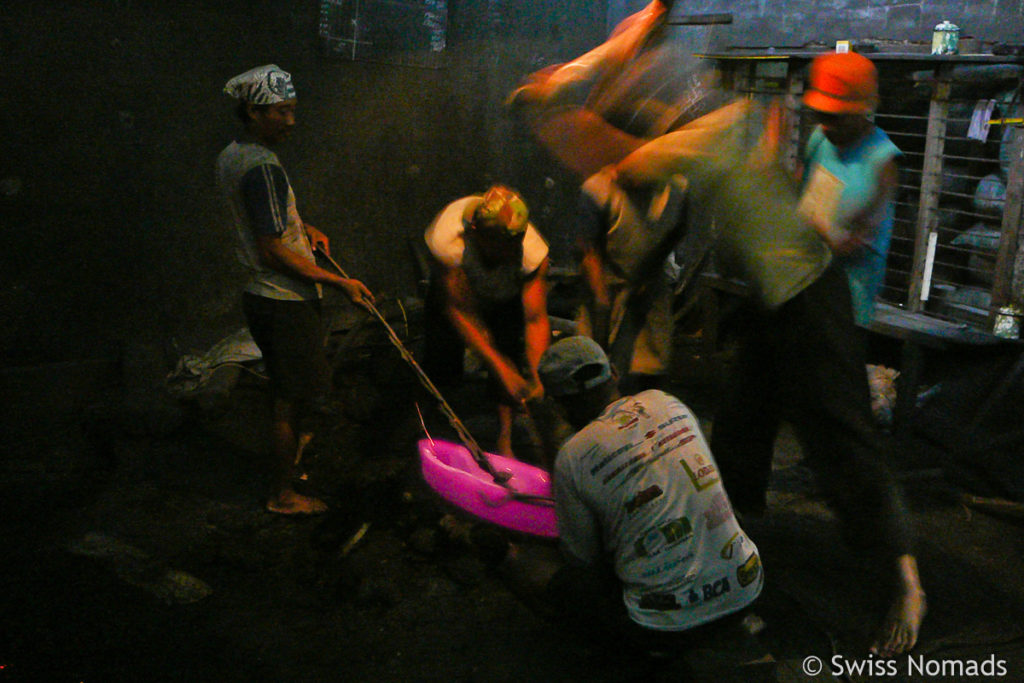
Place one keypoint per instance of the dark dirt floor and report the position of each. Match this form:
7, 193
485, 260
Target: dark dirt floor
98, 515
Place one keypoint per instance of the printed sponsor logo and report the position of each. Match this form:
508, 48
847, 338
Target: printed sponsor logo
628, 423
624, 466
718, 512
701, 470
633, 471
643, 498
667, 566
665, 536
626, 416
729, 549
709, 591
662, 602
608, 458
748, 572
672, 421
679, 432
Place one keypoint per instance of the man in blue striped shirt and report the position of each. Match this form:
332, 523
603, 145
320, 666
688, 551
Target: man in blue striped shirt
282, 296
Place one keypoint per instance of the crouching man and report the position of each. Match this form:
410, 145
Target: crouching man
649, 543
488, 294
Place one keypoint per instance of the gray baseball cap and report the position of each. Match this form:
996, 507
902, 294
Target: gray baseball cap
572, 365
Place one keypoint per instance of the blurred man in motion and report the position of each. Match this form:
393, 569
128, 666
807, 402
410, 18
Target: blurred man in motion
643, 82
801, 357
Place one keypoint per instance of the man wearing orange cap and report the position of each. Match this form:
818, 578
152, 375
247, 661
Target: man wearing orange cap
851, 164
489, 294
802, 359
850, 171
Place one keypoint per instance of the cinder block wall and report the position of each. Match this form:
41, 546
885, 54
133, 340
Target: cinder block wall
797, 22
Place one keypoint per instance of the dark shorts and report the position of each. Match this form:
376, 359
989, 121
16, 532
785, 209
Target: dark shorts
290, 335
589, 603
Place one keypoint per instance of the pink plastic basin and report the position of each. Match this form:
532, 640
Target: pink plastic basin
450, 469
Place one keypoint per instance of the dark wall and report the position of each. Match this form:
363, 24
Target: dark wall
112, 229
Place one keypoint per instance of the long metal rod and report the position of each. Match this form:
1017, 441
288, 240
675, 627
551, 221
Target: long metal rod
460, 428
467, 439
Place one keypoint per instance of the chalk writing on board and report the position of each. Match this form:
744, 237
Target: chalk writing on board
410, 32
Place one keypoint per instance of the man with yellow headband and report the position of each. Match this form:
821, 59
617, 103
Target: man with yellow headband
489, 294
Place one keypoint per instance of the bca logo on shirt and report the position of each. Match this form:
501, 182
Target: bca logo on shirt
709, 591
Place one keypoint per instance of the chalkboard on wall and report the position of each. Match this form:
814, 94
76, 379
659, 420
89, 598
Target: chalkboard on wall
407, 32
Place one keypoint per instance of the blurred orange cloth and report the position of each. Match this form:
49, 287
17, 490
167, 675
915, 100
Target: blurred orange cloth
583, 141
640, 83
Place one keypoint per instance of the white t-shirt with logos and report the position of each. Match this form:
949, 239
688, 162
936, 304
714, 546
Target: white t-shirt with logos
638, 488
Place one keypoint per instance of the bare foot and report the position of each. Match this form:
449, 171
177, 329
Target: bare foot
899, 631
303, 441
292, 503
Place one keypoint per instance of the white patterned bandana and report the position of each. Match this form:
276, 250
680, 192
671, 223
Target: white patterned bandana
267, 84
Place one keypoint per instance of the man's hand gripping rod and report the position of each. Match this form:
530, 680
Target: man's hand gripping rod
464, 435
